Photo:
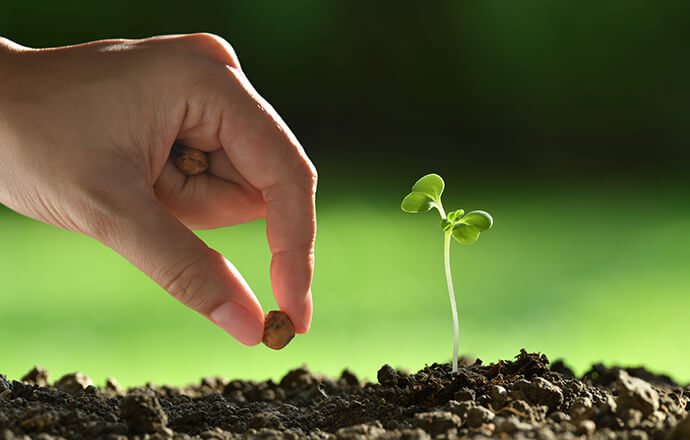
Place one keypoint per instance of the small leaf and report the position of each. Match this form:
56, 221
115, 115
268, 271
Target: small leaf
465, 234
417, 202
455, 215
479, 219
431, 185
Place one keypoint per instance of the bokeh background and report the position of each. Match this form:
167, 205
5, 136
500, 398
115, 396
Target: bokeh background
567, 120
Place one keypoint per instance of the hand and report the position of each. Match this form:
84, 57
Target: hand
85, 137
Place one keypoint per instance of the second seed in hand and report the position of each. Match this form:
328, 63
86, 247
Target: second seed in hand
189, 160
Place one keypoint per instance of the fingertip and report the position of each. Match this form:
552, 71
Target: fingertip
239, 322
303, 323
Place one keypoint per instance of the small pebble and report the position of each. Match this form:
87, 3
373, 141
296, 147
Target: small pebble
112, 385
73, 383
585, 427
638, 434
498, 396
436, 423
635, 393
143, 412
37, 376
387, 375
478, 416
464, 394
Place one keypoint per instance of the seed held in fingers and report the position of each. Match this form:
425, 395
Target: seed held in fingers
278, 330
189, 160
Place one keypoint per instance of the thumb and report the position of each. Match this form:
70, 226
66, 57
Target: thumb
147, 235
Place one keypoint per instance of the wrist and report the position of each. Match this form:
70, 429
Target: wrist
10, 56
7, 49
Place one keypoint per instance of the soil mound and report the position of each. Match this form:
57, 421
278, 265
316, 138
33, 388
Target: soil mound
524, 398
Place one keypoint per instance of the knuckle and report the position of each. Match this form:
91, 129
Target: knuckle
184, 282
215, 46
307, 176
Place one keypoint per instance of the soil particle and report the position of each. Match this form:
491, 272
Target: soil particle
21, 390
37, 376
510, 425
435, 423
637, 434
143, 412
387, 376
465, 394
4, 384
539, 391
635, 393
112, 386
363, 431
511, 399
477, 416
586, 427
73, 383
348, 378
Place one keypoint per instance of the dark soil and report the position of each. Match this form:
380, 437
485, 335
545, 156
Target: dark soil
520, 399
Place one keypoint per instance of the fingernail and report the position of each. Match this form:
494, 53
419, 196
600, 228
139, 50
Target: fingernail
236, 320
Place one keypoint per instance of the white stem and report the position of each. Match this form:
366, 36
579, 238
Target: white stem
449, 281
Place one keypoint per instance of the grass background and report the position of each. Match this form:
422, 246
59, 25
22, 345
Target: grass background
593, 271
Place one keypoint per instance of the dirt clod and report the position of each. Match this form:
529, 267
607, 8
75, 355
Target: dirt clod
112, 386
143, 412
539, 390
511, 399
436, 423
635, 393
278, 330
477, 416
387, 375
37, 376
189, 160
4, 384
73, 383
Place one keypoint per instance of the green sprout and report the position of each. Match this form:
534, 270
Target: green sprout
465, 228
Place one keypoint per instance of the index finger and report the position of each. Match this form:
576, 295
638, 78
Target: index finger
269, 157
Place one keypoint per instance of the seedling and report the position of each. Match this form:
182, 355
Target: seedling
465, 228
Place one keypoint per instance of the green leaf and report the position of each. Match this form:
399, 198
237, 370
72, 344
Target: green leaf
431, 185
455, 215
481, 220
417, 202
465, 234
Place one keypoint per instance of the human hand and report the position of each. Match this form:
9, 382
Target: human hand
85, 137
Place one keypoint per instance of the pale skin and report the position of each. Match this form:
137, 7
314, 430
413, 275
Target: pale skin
85, 137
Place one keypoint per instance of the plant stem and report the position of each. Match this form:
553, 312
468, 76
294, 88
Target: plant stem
451, 293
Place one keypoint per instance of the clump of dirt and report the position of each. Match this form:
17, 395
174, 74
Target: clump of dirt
524, 398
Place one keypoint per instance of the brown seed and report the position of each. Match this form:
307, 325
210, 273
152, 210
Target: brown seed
278, 330
189, 160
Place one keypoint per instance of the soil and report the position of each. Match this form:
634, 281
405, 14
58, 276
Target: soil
524, 398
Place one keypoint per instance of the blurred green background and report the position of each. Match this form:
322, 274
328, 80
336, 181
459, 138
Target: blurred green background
566, 120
